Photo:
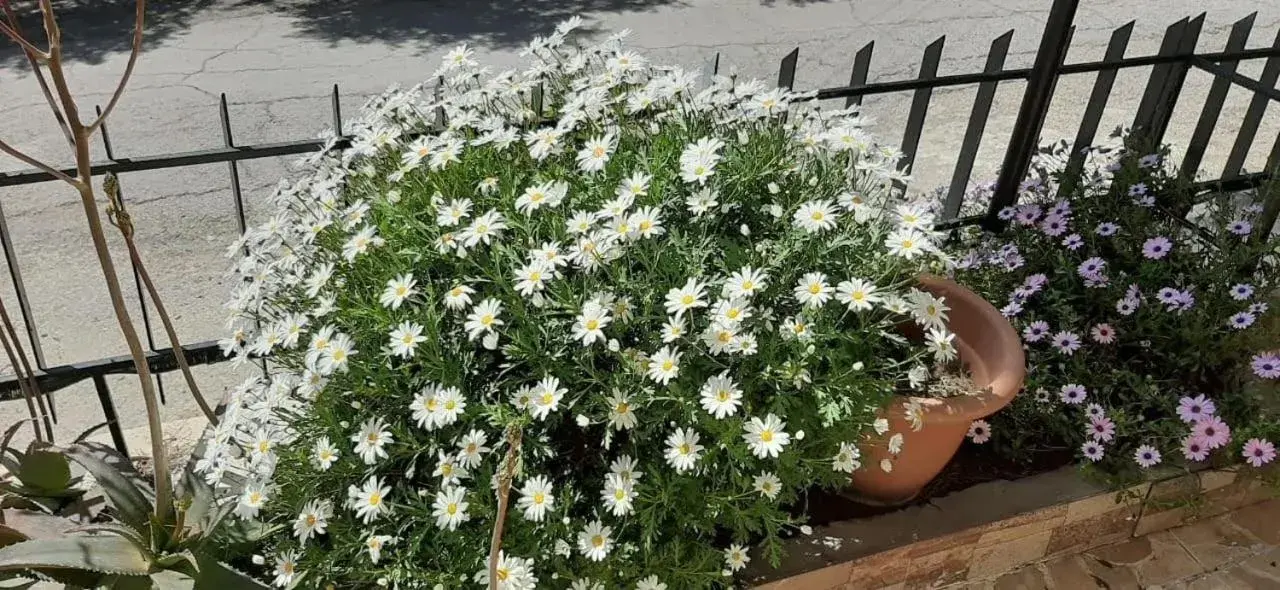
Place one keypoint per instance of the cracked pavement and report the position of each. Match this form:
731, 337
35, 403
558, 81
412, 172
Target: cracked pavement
277, 61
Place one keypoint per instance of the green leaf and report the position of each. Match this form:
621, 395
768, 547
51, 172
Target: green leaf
171, 580
45, 470
131, 505
12, 430
36, 525
203, 513
215, 575
17, 584
184, 562
112, 555
117, 529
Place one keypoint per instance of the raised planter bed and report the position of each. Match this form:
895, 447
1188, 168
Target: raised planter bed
992, 528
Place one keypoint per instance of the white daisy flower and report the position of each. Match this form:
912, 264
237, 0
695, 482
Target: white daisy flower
692, 295
595, 154
940, 342
637, 185
766, 437
550, 254
646, 222
426, 407
812, 290
471, 449
580, 223
371, 500
735, 557
683, 450
625, 467
914, 217
536, 498
595, 541
544, 142
697, 169
746, 282
846, 459
251, 500
448, 469
336, 355
453, 213
720, 338
313, 520
450, 404
702, 201
731, 312
664, 365
672, 330
532, 277
721, 396
483, 229
796, 328
546, 397
483, 318
371, 440
405, 339
816, 216
286, 568
589, 326
547, 194
622, 415
928, 311
375, 543
324, 454
360, 243
450, 508
767, 484
858, 294
618, 494
459, 297
907, 243
651, 583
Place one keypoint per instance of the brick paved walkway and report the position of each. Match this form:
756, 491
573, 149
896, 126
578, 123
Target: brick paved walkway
1237, 551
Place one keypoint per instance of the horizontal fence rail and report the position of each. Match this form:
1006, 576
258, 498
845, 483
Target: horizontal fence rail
1169, 67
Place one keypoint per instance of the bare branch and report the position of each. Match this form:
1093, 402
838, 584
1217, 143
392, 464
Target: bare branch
128, 68
35, 67
20, 40
504, 496
6, 148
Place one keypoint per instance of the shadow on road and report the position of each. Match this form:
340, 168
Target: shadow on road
93, 30
500, 24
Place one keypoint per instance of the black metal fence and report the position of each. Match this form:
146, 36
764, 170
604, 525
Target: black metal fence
1175, 58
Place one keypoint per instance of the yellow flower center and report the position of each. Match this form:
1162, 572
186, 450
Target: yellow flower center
450, 405
593, 324
407, 339
471, 448
255, 497
646, 225
311, 520
668, 365
423, 151
684, 449
733, 313
446, 470
817, 216
536, 197
598, 152
452, 509
432, 404
264, 446
539, 498
687, 300
482, 228
597, 541
724, 337
815, 288
619, 494
373, 438
486, 319
503, 574
339, 355
908, 244
456, 292
547, 398
375, 499
320, 344
402, 291
723, 395
622, 408
766, 436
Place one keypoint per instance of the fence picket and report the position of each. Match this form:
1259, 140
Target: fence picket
1098, 99
977, 124
1213, 102
1159, 74
920, 103
861, 66
1253, 116
787, 70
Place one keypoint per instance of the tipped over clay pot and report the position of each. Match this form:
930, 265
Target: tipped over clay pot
992, 352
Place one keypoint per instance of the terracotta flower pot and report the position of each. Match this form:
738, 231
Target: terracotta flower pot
992, 352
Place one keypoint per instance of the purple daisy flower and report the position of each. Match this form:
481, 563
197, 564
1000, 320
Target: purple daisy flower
1035, 331
1242, 292
1066, 342
1167, 295
1138, 189
1036, 281
1266, 365
1027, 214
1097, 282
1012, 309
1073, 242
1062, 208
1258, 452
1101, 429
1092, 267
1073, 394
1241, 320
1195, 409
1133, 292
1184, 301
1106, 229
1008, 249
1103, 333
1258, 308
1240, 227
1145, 201
1213, 431
1149, 161
1014, 262
1126, 306
1054, 225
1007, 213
1157, 247
1146, 456
1194, 449
1094, 411
1092, 451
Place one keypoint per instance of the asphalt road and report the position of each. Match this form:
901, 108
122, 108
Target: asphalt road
277, 60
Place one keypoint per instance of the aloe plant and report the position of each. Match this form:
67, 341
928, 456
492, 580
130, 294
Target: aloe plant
135, 550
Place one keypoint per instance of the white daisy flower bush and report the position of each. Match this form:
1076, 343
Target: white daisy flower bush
627, 335
1151, 340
